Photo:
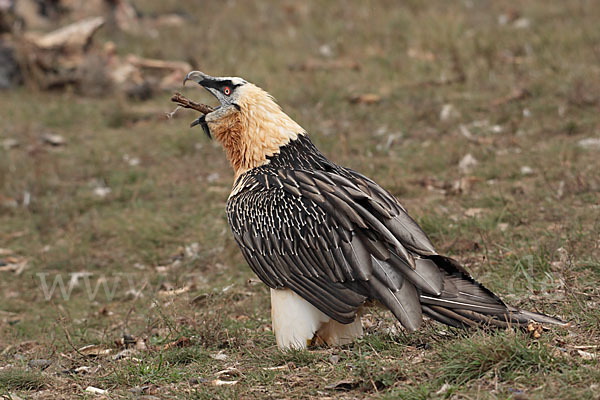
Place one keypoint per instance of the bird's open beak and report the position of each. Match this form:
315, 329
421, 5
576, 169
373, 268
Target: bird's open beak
197, 77
203, 80
207, 82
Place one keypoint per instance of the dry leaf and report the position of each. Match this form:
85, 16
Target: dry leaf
140, 344
516, 94
464, 184
421, 55
366, 98
181, 342
13, 264
126, 341
95, 350
473, 212
535, 329
230, 372
175, 292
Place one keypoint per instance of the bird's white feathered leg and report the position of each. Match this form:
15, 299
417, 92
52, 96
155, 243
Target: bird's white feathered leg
296, 321
335, 334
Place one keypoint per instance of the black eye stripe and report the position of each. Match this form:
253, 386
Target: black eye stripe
220, 85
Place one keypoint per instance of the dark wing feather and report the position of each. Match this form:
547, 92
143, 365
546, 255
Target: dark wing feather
320, 234
399, 223
289, 241
337, 239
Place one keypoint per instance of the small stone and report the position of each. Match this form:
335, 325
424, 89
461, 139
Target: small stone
589, 143
102, 191
220, 356
496, 128
219, 382
503, 226
326, 50
9, 143
445, 387
40, 364
53, 139
127, 353
526, 170
448, 112
522, 23
587, 355
192, 250
138, 390
132, 161
467, 163
95, 390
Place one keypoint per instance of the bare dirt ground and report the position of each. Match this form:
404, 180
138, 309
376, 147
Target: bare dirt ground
119, 276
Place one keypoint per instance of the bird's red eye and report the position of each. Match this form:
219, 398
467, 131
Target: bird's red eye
226, 90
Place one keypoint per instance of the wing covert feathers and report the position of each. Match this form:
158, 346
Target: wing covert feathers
338, 239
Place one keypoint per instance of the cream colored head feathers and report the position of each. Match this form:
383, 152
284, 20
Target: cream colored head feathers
249, 124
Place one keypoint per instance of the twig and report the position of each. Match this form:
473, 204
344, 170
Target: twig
68, 336
187, 103
60, 322
172, 113
135, 299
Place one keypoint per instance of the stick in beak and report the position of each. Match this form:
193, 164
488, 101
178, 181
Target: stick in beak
187, 103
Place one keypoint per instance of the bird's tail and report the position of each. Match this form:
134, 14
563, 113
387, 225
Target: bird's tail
464, 302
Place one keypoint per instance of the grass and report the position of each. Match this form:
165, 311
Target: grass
154, 258
20, 379
506, 355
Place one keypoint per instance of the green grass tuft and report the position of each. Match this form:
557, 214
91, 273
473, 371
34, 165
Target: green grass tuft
20, 379
506, 355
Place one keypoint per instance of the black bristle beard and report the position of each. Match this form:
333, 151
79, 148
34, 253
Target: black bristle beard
202, 122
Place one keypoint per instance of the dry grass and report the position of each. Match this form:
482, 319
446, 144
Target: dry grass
525, 220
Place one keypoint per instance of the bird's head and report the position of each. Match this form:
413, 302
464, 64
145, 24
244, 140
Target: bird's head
248, 123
